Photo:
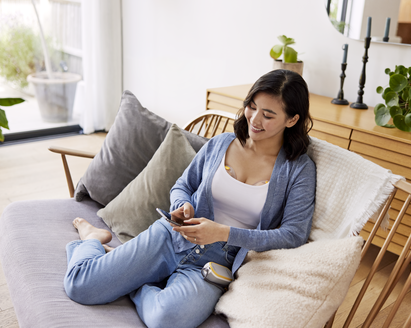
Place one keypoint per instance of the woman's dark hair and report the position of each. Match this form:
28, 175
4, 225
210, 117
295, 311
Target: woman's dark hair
292, 90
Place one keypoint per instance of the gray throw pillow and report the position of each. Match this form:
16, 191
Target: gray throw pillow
134, 209
130, 144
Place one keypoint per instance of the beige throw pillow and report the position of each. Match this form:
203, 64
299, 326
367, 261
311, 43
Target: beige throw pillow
292, 288
133, 210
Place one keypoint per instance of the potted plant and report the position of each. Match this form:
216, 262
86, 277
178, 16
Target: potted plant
290, 56
3, 119
19, 54
54, 91
397, 98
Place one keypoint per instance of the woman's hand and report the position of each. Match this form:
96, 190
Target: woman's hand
182, 213
203, 231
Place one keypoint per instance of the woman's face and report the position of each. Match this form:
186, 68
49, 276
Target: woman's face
266, 117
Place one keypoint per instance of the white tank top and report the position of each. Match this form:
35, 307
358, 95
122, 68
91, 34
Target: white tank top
236, 204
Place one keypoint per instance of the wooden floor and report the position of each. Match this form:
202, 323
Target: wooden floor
30, 171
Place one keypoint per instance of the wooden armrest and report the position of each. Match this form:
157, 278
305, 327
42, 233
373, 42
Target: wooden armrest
71, 152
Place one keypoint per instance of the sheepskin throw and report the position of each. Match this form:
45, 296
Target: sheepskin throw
292, 288
350, 191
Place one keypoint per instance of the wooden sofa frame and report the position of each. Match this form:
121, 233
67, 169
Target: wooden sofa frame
213, 122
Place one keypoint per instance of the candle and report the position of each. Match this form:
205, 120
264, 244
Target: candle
345, 48
387, 27
369, 28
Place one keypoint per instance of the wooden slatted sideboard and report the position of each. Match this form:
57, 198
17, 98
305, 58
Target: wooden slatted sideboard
351, 129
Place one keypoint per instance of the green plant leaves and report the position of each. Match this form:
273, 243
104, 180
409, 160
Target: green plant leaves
400, 69
397, 100
391, 99
290, 55
377, 107
286, 41
398, 82
20, 53
385, 92
400, 123
382, 115
405, 94
276, 51
395, 110
3, 119
10, 101
4, 123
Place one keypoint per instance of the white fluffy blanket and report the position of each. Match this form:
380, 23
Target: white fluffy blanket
350, 191
292, 288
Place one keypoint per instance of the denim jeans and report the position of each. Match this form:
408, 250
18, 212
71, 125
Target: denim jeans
166, 287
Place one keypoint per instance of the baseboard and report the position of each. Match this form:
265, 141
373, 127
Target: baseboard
38, 135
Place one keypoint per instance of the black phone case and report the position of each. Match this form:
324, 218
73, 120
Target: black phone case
167, 216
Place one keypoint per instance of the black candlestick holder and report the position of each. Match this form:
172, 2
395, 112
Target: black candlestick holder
340, 98
359, 104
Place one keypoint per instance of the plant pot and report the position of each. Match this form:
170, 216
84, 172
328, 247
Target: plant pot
56, 96
295, 67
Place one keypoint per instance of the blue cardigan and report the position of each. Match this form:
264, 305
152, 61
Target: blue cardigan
290, 200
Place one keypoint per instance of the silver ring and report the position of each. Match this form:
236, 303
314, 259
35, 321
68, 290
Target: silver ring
195, 239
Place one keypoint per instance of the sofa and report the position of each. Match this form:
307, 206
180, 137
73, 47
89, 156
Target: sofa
141, 158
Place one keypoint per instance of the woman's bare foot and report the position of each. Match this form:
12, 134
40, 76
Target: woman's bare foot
87, 231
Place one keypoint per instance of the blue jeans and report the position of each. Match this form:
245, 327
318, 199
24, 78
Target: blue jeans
166, 287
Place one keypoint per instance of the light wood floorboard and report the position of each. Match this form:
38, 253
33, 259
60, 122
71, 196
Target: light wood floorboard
30, 171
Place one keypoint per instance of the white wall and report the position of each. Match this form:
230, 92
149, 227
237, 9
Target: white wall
174, 50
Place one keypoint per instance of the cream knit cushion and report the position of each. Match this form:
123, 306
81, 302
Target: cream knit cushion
350, 190
289, 288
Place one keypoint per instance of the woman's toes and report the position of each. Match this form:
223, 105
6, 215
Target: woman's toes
75, 222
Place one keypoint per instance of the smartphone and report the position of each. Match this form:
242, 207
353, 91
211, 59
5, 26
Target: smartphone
167, 216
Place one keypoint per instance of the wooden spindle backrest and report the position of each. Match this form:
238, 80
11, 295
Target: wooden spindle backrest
211, 123
399, 268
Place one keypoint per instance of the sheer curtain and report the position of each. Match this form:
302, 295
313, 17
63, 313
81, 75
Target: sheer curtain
98, 95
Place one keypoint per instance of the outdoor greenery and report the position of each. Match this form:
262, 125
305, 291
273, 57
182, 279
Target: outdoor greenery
3, 119
289, 54
339, 25
19, 54
397, 97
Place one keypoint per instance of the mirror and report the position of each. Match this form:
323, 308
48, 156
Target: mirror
349, 17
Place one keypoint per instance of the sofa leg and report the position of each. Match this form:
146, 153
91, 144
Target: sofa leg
68, 175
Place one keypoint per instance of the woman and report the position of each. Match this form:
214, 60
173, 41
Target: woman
249, 190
